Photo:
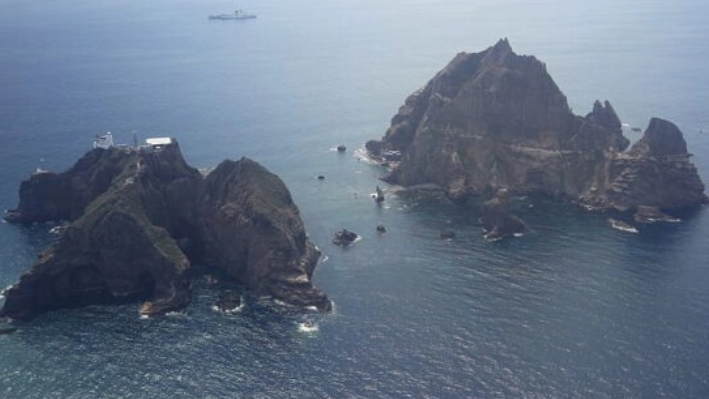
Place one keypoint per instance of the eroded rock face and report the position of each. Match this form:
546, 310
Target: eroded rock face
139, 219
655, 172
496, 119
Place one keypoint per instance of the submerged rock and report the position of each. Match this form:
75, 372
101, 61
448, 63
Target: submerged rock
228, 301
496, 119
4, 330
622, 226
129, 210
344, 238
497, 220
651, 214
447, 234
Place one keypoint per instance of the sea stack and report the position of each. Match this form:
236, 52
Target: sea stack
139, 218
495, 119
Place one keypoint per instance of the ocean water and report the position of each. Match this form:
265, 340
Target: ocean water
574, 309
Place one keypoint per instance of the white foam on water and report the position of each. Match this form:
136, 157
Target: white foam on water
144, 317
236, 309
308, 327
361, 155
495, 239
618, 225
229, 311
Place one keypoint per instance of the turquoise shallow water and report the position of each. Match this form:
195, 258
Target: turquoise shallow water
572, 310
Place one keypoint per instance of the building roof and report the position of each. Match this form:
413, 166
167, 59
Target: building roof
158, 141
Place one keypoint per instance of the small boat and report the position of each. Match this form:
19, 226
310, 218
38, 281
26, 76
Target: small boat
622, 226
238, 14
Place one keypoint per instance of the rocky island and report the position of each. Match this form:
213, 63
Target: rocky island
139, 218
495, 120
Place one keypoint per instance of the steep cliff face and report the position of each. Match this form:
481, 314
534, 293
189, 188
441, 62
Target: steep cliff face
656, 172
63, 196
495, 119
141, 218
251, 229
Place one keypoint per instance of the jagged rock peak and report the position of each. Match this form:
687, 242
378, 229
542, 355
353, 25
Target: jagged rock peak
500, 49
604, 115
503, 45
660, 138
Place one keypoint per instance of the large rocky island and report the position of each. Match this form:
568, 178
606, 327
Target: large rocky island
495, 120
141, 217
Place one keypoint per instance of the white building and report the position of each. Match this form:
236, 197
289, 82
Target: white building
105, 141
157, 143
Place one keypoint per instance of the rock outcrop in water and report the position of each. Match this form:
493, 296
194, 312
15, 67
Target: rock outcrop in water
651, 214
345, 238
495, 119
497, 219
140, 219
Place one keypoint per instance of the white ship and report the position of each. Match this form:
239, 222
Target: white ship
238, 14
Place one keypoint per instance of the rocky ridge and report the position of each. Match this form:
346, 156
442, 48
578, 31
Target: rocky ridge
139, 220
496, 120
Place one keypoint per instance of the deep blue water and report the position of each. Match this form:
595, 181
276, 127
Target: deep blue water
572, 310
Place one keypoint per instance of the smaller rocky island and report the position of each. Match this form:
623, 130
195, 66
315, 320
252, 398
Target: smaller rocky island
495, 120
345, 238
139, 218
